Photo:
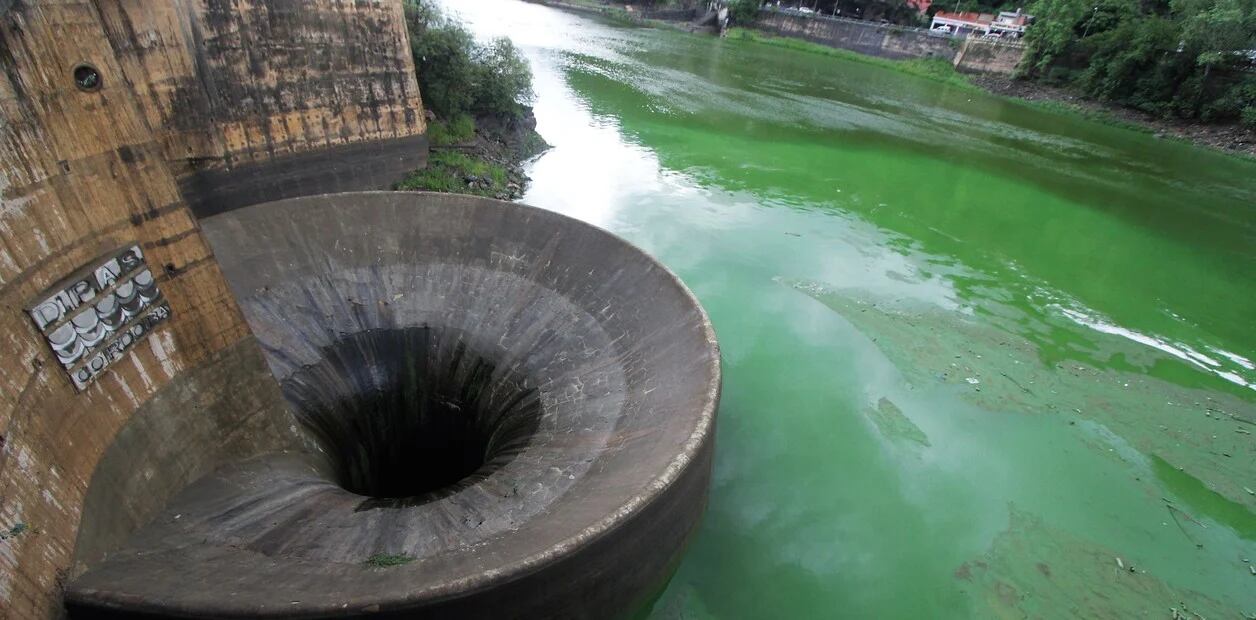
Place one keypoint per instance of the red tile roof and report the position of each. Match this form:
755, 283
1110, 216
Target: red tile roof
966, 16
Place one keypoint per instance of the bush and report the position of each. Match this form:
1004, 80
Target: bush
446, 131
743, 11
1176, 58
458, 76
453, 172
1249, 116
1236, 102
502, 82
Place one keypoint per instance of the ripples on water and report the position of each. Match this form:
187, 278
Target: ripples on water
974, 351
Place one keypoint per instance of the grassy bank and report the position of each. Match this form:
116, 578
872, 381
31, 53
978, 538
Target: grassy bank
463, 162
936, 69
454, 172
459, 130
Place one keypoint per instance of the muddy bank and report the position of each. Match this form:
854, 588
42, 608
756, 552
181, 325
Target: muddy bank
1229, 137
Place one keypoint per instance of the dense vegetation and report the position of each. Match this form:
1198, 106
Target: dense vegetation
1186, 58
479, 94
459, 76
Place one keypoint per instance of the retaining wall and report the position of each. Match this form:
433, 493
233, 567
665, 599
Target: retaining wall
892, 41
881, 40
989, 56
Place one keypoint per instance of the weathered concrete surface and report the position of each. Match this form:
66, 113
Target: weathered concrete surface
989, 56
340, 168
225, 410
242, 91
188, 86
81, 175
582, 502
225, 83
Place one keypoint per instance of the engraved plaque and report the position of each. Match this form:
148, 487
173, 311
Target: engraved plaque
93, 318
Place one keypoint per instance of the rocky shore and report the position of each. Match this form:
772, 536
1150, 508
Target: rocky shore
483, 157
509, 143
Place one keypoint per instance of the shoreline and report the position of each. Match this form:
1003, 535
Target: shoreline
1230, 138
482, 156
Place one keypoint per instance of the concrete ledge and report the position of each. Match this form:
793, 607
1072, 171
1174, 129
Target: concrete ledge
360, 166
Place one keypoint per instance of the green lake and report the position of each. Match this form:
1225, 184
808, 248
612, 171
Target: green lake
981, 359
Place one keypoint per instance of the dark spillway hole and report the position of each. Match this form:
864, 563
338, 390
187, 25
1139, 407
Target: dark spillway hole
413, 414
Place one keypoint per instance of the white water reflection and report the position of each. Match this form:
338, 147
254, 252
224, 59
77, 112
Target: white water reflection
1178, 350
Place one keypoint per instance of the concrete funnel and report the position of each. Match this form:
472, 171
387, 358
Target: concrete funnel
508, 413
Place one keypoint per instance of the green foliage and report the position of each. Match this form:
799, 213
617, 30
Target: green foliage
457, 130
1239, 102
1053, 31
502, 81
457, 75
454, 172
385, 560
1168, 57
743, 11
1248, 116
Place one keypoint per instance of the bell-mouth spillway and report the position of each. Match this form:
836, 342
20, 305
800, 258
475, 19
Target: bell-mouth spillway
412, 414
516, 406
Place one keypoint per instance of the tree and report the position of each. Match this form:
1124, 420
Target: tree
1182, 57
457, 75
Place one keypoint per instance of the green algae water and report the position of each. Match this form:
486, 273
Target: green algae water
981, 360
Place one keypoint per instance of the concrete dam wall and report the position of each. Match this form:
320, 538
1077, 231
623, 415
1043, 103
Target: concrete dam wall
258, 97
123, 343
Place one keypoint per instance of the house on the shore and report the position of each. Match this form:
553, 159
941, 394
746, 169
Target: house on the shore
1009, 24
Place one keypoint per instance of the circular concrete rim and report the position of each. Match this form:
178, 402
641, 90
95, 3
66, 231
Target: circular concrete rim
703, 429
700, 438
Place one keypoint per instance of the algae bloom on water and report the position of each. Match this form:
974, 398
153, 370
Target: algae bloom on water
975, 350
